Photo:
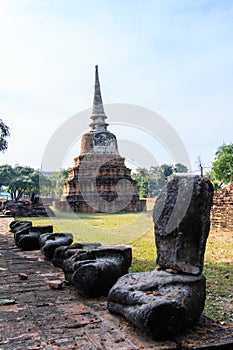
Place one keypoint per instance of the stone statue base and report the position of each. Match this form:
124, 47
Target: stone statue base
93, 271
160, 303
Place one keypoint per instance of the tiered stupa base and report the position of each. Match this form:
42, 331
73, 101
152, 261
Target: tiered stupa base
100, 183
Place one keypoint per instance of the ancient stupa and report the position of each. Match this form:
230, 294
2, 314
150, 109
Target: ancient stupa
100, 180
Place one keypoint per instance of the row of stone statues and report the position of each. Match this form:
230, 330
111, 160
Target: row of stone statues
163, 302
90, 267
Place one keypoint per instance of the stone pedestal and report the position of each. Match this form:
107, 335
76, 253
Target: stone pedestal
160, 303
91, 268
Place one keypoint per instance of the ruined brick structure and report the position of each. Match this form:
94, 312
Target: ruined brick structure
222, 209
100, 180
26, 209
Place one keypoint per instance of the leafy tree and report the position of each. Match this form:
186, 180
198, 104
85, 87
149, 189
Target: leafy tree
141, 176
222, 168
6, 174
143, 192
167, 170
151, 181
60, 177
25, 181
4, 133
156, 181
142, 172
180, 168
19, 180
45, 185
51, 185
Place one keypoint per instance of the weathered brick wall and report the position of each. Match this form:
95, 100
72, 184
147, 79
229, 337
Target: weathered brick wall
87, 143
222, 209
97, 177
27, 209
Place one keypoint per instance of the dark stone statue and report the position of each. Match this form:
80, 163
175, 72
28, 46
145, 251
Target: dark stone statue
27, 236
158, 302
165, 302
35, 198
16, 223
64, 252
30, 241
96, 271
182, 222
49, 242
91, 268
21, 230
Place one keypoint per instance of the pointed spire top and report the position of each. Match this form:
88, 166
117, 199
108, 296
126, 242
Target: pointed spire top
97, 103
98, 116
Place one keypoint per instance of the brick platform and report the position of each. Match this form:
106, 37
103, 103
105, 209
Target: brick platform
44, 318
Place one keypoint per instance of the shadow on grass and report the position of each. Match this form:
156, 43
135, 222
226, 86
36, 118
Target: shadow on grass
89, 214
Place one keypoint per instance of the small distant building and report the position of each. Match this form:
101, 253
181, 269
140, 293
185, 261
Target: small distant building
100, 180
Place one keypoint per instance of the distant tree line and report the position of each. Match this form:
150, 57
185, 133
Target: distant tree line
21, 181
151, 181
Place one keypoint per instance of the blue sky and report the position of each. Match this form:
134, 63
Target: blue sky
174, 57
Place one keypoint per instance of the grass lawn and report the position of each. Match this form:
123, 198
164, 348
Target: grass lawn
121, 228
136, 230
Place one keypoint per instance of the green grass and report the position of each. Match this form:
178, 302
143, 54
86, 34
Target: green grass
136, 230
120, 228
219, 275
144, 253
219, 300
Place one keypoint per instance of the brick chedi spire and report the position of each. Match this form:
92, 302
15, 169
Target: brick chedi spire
98, 115
99, 181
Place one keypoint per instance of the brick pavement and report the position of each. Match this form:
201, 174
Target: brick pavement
44, 318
